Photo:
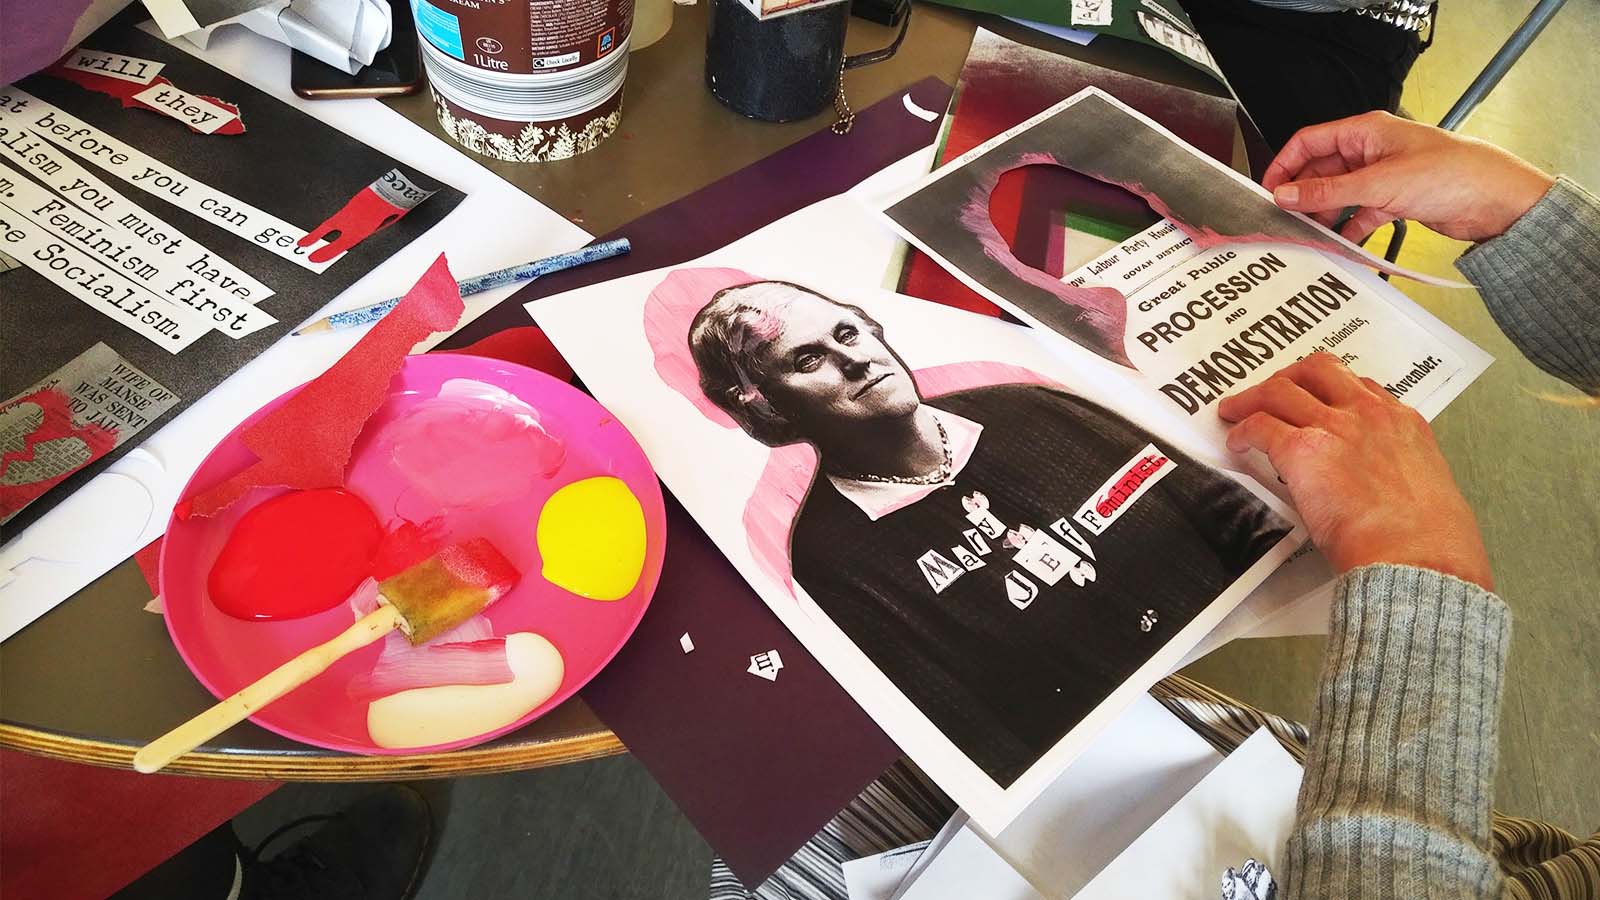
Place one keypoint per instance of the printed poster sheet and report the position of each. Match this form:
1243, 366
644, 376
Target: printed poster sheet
993, 549
169, 223
1218, 295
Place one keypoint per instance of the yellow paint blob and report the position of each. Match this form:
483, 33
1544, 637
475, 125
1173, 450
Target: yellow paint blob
591, 537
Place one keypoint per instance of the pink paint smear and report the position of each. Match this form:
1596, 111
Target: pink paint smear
467, 654
473, 446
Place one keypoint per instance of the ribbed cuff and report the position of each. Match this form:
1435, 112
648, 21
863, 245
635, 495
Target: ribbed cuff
1400, 773
1541, 283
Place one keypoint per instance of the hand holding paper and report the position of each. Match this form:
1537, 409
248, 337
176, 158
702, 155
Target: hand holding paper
1394, 169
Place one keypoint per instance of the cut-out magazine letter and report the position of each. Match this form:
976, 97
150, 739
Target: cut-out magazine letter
994, 549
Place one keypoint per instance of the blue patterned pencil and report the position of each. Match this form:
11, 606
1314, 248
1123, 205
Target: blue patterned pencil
366, 315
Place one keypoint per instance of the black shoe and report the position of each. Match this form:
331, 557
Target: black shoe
377, 849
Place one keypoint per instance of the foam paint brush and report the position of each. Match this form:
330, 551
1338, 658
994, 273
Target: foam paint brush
423, 601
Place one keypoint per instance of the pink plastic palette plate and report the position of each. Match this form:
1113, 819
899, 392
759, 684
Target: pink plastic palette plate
226, 653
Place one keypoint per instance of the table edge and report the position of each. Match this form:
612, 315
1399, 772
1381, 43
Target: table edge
344, 767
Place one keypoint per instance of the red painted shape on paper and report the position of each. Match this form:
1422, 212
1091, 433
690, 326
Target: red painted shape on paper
124, 91
306, 442
295, 555
361, 217
52, 449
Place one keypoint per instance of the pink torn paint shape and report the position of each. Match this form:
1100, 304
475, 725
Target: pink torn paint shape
474, 445
1102, 311
770, 511
668, 313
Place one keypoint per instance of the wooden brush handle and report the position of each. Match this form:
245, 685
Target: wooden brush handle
269, 687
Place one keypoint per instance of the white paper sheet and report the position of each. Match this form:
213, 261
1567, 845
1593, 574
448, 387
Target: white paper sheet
1243, 810
1201, 817
43, 565
877, 877
1125, 781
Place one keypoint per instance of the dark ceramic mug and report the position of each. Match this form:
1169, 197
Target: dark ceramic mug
787, 67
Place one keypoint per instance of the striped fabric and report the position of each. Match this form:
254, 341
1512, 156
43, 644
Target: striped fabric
1541, 862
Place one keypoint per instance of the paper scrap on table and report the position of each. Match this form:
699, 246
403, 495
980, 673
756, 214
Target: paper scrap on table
93, 404
686, 643
1076, 36
876, 877
345, 34
306, 442
1091, 13
113, 65
175, 17
766, 665
104, 73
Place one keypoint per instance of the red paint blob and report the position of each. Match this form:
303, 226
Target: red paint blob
295, 555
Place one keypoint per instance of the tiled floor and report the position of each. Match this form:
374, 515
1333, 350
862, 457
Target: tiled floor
604, 830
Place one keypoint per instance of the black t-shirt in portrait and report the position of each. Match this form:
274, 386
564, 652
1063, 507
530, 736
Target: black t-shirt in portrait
1009, 603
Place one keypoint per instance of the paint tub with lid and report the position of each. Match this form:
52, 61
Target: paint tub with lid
526, 80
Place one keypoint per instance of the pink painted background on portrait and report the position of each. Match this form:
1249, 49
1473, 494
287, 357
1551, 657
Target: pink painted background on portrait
769, 512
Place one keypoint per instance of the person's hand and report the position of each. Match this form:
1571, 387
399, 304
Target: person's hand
1363, 469
1391, 168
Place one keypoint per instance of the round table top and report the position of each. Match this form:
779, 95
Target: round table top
97, 677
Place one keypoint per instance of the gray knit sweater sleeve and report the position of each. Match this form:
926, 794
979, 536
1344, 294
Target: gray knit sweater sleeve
1541, 282
1400, 773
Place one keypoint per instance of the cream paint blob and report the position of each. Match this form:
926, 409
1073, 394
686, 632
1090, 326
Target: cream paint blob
424, 717
472, 446
592, 538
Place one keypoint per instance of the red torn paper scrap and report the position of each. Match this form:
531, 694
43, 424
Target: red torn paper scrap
148, 560
373, 208
160, 96
40, 445
305, 443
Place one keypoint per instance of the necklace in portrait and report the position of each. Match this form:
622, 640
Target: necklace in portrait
937, 476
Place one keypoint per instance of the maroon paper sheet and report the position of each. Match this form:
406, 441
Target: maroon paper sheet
759, 767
